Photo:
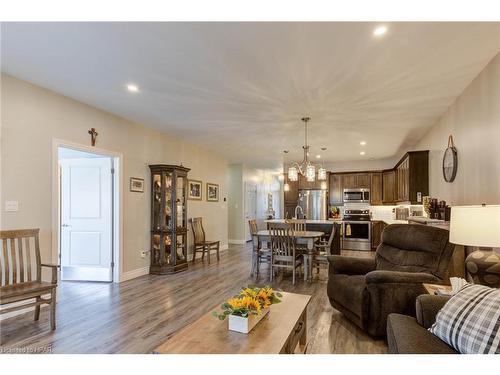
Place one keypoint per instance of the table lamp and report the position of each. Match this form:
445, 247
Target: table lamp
479, 226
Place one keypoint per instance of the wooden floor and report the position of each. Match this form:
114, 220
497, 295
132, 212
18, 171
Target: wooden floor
138, 315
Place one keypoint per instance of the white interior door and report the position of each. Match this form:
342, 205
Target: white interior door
86, 219
250, 207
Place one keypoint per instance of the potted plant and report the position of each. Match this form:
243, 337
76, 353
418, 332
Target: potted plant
248, 307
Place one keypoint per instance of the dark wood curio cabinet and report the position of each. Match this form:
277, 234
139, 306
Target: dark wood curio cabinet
168, 219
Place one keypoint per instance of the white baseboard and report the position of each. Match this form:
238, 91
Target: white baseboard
237, 242
129, 275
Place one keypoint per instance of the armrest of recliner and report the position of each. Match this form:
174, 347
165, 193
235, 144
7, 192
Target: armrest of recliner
427, 307
350, 265
398, 277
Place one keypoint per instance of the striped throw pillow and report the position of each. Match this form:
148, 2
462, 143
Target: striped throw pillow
470, 320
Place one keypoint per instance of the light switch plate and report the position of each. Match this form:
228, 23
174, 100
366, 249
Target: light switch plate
11, 206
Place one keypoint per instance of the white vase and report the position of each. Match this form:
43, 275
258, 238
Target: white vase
245, 325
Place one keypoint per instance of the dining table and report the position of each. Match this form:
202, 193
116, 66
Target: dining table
307, 237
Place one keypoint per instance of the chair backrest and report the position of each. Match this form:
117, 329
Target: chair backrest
299, 225
19, 256
415, 248
253, 226
283, 242
330, 238
198, 231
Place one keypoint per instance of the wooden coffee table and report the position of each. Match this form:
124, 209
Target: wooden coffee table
283, 330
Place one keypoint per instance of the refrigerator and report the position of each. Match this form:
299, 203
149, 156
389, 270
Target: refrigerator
314, 203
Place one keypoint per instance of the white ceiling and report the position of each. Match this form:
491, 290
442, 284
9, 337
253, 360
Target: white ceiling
241, 88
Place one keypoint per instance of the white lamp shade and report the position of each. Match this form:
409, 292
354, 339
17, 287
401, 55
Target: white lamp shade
293, 174
475, 226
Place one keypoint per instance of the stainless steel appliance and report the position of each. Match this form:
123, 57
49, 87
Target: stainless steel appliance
313, 203
356, 195
357, 230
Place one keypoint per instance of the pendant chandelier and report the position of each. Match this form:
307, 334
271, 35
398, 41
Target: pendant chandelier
305, 167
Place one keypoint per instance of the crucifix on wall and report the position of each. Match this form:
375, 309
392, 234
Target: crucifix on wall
93, 136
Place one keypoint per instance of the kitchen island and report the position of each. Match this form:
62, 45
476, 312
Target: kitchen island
325, 226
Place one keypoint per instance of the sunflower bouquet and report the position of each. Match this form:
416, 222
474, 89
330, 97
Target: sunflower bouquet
249, 301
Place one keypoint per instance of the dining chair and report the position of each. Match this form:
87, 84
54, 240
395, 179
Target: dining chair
284, 251
259, 254
200, 242
299, 225
322, 249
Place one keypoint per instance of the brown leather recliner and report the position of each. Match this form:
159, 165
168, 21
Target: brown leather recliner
366, 291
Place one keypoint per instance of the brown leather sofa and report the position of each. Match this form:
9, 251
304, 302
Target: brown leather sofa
409, 335
366, 291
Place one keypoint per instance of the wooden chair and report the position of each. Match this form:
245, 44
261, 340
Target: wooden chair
21, 273
322, 250
299, 225
259, 255
284, 250
200, 242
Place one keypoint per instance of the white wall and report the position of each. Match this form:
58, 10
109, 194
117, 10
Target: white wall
32, 116
474, 121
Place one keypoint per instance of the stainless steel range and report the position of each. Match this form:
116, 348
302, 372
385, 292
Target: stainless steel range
357, 230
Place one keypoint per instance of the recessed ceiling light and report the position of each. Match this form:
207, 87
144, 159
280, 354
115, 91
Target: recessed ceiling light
362, 153
379, 31
318, 156
362, 143
132, 88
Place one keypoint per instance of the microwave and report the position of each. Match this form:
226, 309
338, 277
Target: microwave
356, 195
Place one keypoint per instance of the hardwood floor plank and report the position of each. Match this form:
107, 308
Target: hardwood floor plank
138, 315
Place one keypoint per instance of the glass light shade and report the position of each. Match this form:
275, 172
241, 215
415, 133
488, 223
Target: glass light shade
286, 187
323, 185
310, 173
321, 174
293, 174
475, 225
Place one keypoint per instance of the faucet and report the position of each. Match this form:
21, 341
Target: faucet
301, 211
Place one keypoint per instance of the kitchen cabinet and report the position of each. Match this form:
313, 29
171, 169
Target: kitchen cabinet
313, 185
376, 190
291, 196
290, 210
363, 180
377, 229
388, 187
349, 181
412, 177
335, 189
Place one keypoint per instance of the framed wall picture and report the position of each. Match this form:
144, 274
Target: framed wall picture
194, 190
212, 192
137, 184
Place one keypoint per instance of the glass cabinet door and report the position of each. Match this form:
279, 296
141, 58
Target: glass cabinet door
181, 251
168, 201
157, 201
181, 202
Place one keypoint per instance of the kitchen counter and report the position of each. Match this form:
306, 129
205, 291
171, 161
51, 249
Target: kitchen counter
328, 222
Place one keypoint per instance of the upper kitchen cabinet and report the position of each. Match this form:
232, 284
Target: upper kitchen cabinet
335, 189
376, 190
363, 180
389, 187
356, 180
291, 196
350, 180
412, 177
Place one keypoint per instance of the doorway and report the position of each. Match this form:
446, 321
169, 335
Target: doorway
250, 207
87, 195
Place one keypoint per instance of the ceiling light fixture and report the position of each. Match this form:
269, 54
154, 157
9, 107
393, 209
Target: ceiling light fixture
132, 88
379, 31
362, 143
318, 156
362, 153
305, 167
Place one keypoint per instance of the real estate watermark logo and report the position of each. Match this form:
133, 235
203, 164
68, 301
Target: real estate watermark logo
26, 350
